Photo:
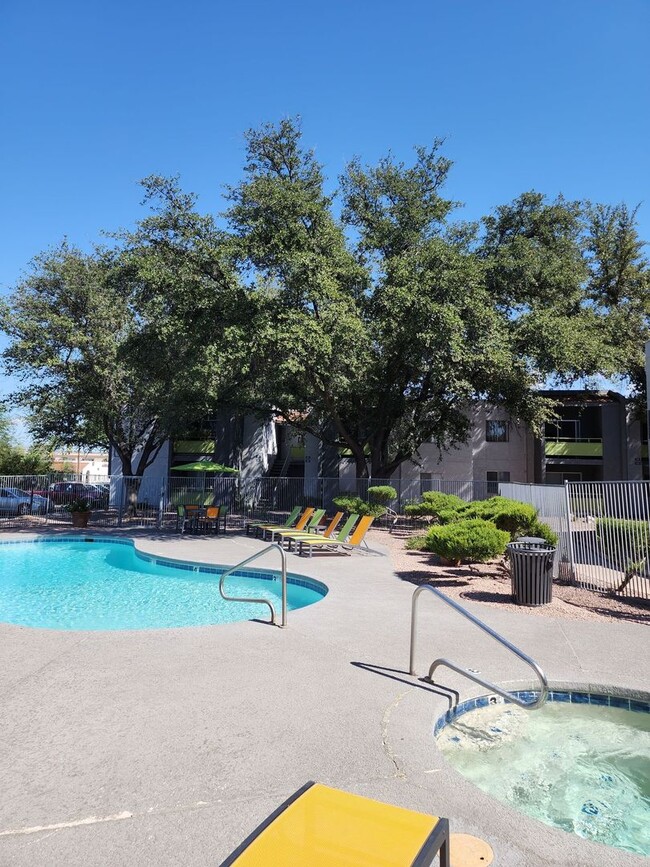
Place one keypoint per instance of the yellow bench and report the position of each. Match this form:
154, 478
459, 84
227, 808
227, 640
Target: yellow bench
323, 827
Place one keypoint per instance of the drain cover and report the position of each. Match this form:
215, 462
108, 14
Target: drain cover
468, 851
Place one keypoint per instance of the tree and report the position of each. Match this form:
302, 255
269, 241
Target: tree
381, 344
111, 346
619, 288
15, 460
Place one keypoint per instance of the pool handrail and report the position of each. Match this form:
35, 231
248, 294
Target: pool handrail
283, 575
538, 702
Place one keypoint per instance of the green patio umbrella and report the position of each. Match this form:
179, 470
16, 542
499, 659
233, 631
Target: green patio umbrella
205, 467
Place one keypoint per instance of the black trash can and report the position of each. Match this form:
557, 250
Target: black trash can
531, 571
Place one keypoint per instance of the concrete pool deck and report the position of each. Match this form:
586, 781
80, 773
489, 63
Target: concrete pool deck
162, 747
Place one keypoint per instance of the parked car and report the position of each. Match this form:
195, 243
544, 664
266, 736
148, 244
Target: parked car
61, 493
13, 501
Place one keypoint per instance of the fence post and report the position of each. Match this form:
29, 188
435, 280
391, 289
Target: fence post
570, 532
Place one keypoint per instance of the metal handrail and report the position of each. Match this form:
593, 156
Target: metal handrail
539, 701
283, 573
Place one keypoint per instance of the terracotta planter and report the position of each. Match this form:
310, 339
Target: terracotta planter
80, 519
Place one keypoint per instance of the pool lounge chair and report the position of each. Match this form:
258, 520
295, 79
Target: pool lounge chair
291, 520
322, 827
292, 535
301, 523
340, 545
310, 528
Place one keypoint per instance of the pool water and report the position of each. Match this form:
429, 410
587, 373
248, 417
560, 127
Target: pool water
107, 585
580, 767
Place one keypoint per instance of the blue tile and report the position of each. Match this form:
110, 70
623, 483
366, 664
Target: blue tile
618, 701
560, 696
579, 698
482, 701
599, 699
642, 706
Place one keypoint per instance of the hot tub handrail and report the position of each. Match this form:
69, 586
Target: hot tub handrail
539, 701
283, 574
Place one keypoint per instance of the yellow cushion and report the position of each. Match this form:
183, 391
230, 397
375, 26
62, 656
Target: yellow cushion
326, 827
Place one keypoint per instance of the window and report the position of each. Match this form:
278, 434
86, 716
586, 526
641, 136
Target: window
496, 431
493, 479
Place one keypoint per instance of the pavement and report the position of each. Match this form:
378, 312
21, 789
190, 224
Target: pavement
161, 747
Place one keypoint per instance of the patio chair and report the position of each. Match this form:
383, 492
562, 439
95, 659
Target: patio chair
291, 520
310, 528
339, 545
320, 827
209, 520
293, 535
182, 519
300, 524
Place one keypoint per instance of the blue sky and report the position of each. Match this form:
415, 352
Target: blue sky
552, 96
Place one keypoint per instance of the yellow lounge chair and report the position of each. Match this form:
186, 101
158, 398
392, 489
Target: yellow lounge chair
291, 536
345, 546
291, 520
310, 529
323, 827
300, 525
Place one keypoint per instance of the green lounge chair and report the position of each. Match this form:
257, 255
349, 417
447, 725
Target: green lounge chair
291, 520
310, 528
300, 524
293, 535
339, 545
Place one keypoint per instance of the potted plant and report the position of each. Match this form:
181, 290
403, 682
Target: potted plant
80, 510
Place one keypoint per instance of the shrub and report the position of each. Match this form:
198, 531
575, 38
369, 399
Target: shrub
434, 502
383, 494
543, 531
357, 506
517, 519
416, 543
628, 541
475, 541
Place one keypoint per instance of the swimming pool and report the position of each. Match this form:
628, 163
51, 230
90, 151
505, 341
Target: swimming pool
97, 584
580, 763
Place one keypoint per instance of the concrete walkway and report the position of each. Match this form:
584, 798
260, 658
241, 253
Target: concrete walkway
164, 747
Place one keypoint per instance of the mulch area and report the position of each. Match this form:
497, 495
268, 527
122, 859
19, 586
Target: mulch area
489, 584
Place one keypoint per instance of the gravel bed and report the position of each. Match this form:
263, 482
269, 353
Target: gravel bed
489, 584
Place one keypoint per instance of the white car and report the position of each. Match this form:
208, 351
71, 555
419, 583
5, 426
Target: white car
17, 502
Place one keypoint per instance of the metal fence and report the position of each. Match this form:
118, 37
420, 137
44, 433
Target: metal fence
603, 530
610, 536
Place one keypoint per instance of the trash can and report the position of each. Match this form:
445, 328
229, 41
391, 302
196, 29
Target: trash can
531, 571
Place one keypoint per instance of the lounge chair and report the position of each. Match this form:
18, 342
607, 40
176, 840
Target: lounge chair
291, 520
301, 523
339, 545
310, 529
341, 536
322, 827
293, 535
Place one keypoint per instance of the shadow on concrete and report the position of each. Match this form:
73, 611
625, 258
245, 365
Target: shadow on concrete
418, 683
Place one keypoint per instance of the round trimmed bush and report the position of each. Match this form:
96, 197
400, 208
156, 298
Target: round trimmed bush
514, 517
475, 541
383, 494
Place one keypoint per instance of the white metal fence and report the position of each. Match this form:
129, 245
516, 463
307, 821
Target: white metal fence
603, 530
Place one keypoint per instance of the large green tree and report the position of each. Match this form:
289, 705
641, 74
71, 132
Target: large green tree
383, 326
116, 348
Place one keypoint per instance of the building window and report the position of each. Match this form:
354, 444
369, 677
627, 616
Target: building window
493, 479
496, 431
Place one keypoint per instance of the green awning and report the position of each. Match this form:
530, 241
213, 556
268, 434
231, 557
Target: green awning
204, 467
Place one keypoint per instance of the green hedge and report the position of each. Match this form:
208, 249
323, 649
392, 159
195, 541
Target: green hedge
475, 541
433, 502
631, 537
